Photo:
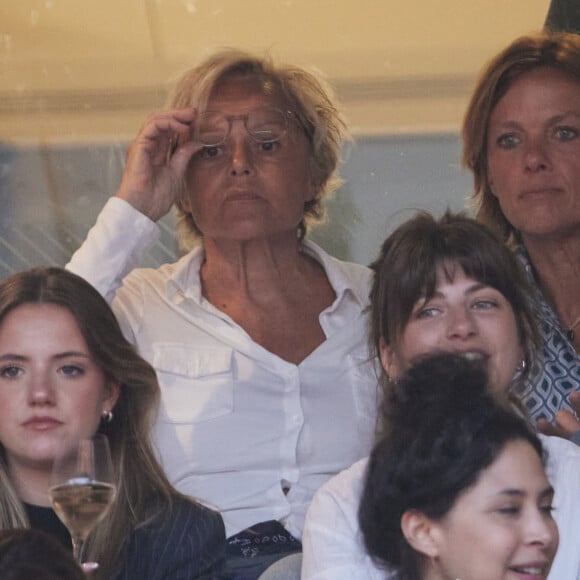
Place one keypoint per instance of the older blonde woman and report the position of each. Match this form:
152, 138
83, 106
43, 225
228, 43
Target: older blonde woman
257, 334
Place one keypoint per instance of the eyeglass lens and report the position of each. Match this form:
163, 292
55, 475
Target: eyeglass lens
263, 125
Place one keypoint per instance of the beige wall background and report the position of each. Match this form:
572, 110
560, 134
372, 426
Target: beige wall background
78, 78
91, 70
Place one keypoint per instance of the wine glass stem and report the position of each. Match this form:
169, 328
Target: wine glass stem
78, 544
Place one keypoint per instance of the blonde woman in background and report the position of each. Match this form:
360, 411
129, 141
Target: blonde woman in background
521, 140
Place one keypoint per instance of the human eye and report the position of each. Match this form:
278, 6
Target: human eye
209, 152
566, 133
485, 304
269, 146
10, 371
71, 370
507, 141
425, 311
509, 510
486, 298
430, 312
545, 504
427, 308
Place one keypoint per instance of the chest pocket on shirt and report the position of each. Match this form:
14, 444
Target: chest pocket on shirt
197, 384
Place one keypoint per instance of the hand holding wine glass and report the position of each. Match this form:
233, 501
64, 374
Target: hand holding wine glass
82, 488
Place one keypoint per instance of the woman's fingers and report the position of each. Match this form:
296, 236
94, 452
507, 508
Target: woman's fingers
567, 422
156, 162
574, 400
565, 425
89, 567
547, 428
163, 132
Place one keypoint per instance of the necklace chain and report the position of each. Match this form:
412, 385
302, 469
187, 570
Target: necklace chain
570, 331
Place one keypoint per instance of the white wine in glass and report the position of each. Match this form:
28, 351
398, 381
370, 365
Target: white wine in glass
82, 488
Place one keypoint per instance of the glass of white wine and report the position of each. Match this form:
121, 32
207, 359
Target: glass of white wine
82, 488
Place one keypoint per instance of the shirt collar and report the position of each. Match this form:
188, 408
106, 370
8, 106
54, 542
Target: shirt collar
543, 310
185, 279
524, 259
340, 277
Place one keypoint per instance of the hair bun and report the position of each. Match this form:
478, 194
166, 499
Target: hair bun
436, 387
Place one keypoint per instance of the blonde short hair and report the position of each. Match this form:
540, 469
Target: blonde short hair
309, 98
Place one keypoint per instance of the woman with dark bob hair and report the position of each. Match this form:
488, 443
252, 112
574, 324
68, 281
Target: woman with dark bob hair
442, 285
521, 141
447, 481
67, 372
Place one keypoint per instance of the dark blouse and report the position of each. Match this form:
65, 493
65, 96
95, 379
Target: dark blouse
186, 544
45, 519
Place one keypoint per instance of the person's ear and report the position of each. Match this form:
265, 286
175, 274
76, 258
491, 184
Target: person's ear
389, 360
421, 533
183, 203
113, 390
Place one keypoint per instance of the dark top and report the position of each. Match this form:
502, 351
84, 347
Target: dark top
46, 520
186, 544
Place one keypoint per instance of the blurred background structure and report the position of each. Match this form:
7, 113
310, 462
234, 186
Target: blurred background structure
78, 78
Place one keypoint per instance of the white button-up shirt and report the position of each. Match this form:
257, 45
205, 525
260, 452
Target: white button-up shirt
334, 547
239, 428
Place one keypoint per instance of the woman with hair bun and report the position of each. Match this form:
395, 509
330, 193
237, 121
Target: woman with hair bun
456, 488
